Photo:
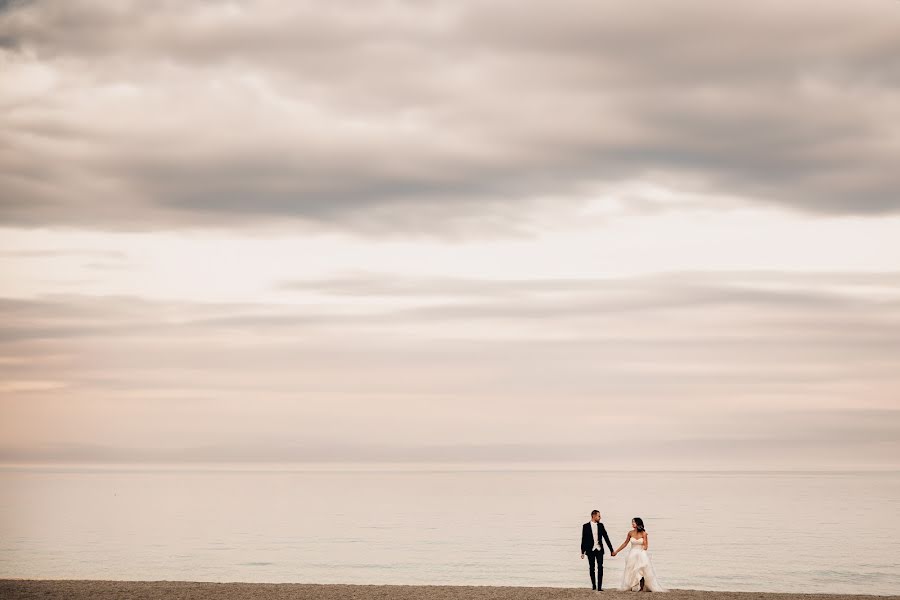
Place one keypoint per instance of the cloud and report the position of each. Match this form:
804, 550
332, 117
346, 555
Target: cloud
462, 368
438, 117
62, 252
846, 438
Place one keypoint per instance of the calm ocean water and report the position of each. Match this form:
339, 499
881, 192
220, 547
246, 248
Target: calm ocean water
767, 531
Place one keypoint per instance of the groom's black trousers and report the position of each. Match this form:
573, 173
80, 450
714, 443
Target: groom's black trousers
596, 556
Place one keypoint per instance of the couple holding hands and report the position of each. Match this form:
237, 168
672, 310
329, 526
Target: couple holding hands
639, 574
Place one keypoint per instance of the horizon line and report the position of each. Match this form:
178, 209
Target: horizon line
348, 466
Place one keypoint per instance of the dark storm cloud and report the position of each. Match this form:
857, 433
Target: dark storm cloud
430, 116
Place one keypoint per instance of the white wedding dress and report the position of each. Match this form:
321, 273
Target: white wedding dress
637, 566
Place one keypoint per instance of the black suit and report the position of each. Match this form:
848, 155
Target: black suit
587, 547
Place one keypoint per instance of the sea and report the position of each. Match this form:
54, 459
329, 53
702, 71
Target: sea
829, 532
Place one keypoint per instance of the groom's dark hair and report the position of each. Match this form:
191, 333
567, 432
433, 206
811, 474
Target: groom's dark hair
595, 512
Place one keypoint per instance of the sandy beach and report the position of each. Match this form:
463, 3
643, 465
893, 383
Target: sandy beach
14, 589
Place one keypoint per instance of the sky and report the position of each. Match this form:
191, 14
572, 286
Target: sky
620, 235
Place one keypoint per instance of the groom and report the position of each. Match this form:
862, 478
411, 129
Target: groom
592, 534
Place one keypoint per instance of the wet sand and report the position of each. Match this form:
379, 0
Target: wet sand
14, 589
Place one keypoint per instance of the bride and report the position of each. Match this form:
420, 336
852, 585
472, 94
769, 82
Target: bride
639, 574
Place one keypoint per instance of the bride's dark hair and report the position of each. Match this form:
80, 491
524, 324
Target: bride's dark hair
640, 523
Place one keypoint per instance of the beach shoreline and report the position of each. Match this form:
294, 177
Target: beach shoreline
15, 589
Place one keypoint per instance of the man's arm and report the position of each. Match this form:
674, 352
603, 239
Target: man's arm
606, 537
